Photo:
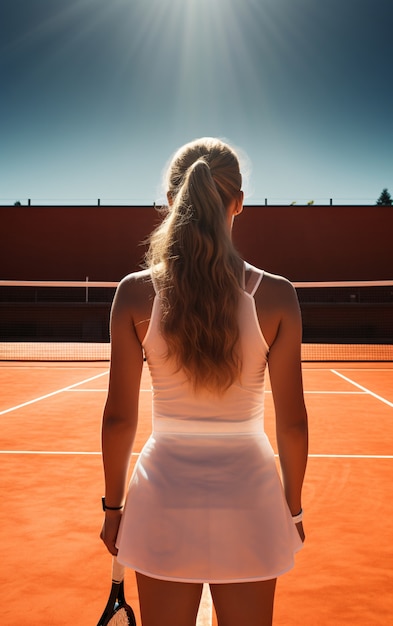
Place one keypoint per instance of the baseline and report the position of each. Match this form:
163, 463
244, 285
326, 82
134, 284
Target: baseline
94, 453
58, 452
106, 389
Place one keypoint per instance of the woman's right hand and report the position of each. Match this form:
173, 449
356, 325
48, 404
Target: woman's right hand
110, 529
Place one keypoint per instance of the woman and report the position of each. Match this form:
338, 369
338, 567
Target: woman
205, 502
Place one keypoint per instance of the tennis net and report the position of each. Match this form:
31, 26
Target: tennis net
69, 320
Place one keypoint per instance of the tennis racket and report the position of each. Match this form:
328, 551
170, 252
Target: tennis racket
117, 612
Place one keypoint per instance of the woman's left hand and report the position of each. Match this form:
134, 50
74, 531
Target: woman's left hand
300, 530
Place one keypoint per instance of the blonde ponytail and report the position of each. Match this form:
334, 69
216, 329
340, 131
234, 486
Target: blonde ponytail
196, 267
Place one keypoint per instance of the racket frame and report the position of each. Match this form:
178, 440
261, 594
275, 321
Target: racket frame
116, 600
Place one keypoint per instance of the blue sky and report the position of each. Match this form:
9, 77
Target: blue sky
95, 96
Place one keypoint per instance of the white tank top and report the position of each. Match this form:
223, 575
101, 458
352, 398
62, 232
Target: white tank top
178, 408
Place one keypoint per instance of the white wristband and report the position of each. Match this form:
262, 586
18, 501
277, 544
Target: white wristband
298, 518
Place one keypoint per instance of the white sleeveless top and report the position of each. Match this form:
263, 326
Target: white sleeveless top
205, 501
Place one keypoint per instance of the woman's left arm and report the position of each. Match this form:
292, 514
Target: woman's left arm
287, 387
120, 416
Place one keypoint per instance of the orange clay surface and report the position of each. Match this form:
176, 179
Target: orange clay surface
54, 569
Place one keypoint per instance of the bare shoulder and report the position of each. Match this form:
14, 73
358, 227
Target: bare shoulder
135, 286
276, 292
277, 305
135, 279
134, 296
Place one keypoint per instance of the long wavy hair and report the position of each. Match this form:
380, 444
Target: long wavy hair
196, 267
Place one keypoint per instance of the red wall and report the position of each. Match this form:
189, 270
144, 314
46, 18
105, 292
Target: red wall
102, 242
319, 243
72, 242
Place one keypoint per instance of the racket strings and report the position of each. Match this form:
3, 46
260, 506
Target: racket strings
120, 618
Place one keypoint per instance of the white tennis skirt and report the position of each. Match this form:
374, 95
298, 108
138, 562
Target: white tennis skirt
207, 508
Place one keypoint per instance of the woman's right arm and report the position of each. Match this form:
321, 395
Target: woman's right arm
287, 387
120, 416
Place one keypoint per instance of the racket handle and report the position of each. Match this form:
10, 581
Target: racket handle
117, 571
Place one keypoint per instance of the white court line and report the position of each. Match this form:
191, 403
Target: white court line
106, 389
350, 456
50, 452
371, 393
57, 452
81, 453
349, 369
337, 393
361, 369
353, 393
86, 390
333, 393
49, 395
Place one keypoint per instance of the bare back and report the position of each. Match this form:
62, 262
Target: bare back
275, 301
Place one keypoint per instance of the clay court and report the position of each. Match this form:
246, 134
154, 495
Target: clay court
55, 571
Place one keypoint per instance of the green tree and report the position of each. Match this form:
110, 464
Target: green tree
385, 199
